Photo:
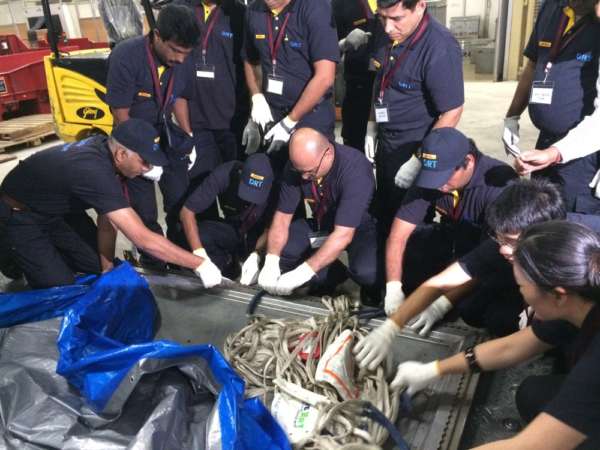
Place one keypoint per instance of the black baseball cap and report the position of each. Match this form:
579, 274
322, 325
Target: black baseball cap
256, 180
443, 151
139, 136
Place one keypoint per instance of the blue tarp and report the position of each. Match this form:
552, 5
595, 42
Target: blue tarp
108, 328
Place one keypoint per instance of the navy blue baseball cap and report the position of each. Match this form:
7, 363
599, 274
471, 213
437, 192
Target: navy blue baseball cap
139, 136
256, 180
442, 152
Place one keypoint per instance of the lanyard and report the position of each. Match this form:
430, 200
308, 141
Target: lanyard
455, 206
386, 78
562, 40
161, 102
320, 200
366, 9
275, 44
211, 24
248, 219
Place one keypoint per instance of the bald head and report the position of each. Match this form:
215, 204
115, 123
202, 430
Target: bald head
307, 148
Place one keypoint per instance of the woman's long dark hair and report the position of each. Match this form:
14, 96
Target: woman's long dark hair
561, 253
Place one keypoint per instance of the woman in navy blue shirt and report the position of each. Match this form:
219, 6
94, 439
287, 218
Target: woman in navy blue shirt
557, 267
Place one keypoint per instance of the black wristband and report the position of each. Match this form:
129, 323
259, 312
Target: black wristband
472, 360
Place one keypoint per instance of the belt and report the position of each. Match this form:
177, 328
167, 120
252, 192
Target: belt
15, 205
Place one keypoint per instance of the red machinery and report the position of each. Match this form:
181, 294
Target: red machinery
23, 88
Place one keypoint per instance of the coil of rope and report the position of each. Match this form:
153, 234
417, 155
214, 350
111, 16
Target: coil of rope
269, 349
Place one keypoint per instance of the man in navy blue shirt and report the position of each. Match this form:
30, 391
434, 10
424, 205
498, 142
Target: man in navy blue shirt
457, 182
337, 183
217, 96
243, 191
419, 86
69, 179
558, 86
290, 55
146, 80
356, 23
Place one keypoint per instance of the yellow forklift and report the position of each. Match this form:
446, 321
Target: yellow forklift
77, 80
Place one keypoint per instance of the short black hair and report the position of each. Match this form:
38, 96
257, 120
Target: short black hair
524, 203
408, 4
561, 253
177, 23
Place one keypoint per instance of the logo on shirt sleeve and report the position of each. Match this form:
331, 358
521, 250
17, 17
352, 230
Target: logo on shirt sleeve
144, 94
545, 44
374, 64
359, 22
584, 57
227, 34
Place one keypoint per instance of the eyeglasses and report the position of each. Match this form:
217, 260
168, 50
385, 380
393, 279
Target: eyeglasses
504, 241
313, 173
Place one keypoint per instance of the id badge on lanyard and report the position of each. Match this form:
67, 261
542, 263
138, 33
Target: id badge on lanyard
203, 70
275, 83
381, 113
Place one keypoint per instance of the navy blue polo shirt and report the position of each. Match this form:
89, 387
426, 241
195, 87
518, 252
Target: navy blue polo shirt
345, 193
310, 36
68, 178
129, 83
213, 101
349, 15
222, 184
574, 72
486, 258
428, 83
489, 178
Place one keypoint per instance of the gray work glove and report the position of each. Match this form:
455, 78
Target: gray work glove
355, 39
251, 137
408, 172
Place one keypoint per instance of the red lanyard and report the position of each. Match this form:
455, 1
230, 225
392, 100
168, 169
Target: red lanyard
211, 24
274, 44
161, 102
561, 41
248, 219
388, 75
320, 201
366, 9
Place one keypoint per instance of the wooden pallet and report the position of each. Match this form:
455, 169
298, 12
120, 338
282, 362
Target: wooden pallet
26, 126
5, 158
28, 130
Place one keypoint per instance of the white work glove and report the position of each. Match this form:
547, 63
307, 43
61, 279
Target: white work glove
595, 184
407, 173
261, 113
270, 273
415, 376
251, 137
373, 348
434, 312
511, 130
371, 140
153, 174
250, 269
192, 157
355, 39
294, 279
208, 272
280, 134
394, 296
